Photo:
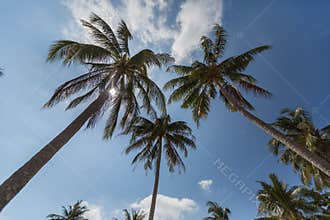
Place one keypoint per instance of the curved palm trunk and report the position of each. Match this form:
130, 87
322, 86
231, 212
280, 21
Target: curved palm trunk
301, 150
155, 190
15, 183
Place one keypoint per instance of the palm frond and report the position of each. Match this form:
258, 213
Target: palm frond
131, 107
220, 41
180, 69
201, 106
176, 82
154, 92
85, 81
207, 46
102, 39
113, 117
145, 57
81, 99
71, 51
250, 87
108, 32
236, 76
181, 92
124, 35
240, 62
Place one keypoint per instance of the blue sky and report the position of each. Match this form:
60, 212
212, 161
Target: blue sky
296, 71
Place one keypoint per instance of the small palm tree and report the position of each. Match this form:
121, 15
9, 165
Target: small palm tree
135, 215
115, 80
278, 201
75, 212
151, 138
298, 125
201, 82
217, 212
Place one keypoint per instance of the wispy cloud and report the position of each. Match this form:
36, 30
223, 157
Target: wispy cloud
168, 207
195, 18
205, 184
149, 20
95, 212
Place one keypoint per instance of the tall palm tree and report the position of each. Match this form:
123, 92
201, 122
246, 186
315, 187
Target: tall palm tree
151, 138
298, 125
217, 212
75, 212
203, 81
135, 215
279, 201
115, 80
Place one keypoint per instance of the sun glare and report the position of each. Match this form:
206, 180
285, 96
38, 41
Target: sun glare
113, 91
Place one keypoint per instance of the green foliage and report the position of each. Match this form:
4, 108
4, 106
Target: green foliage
201, 82
298, 125
216, 212
279, 201
150, 137
75, 212
111, 70
135, 215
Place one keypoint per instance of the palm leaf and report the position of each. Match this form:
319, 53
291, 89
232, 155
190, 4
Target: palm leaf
250, 87
113, 117
95, 19
220, 41
123, 37
81, 99
70, 51
240, 62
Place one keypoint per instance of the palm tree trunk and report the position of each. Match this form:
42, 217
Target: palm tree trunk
15, 183
301, 150
155, 190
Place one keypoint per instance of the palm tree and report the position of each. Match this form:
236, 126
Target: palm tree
135, 215
75, 212
298, 125
151, 138
279, 201
203, 81
217, 212
115, 79
322, 200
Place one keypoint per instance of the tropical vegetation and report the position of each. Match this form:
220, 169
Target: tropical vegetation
73, 212
216, 212
152, 138
134, 215
205, 80
118, 82
298, 125
115, 79
279, 201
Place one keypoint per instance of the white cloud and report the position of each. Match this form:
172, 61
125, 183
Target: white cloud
146, 18
149, 20
196, 18
205, 184
81, 9
95, 212
168, 208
